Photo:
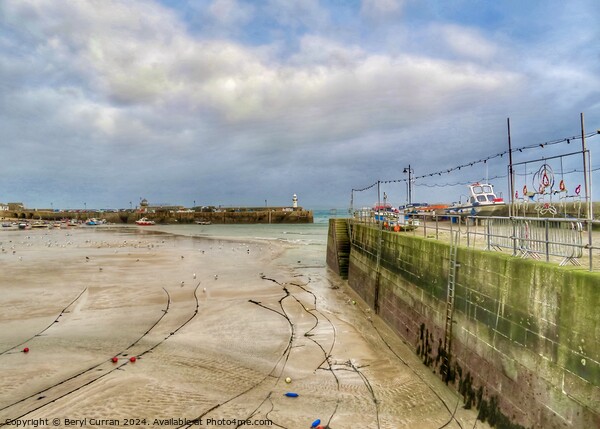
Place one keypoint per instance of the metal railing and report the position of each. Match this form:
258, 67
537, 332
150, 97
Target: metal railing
560, 240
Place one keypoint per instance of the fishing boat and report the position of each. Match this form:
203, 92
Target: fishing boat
145, 222
393, 218
482, 201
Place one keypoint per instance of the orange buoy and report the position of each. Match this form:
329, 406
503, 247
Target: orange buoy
132, 359
396, 228
115, 359
26, 350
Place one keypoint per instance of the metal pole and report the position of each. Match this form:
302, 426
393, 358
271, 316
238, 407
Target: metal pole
585, 170
588, 198
511, 176
409, 187
378, 196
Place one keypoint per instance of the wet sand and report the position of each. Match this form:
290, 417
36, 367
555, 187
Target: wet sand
215, 326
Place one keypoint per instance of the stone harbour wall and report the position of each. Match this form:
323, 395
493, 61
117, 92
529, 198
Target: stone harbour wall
525, 349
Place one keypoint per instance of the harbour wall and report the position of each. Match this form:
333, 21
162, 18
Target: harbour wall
167, 217
524, 345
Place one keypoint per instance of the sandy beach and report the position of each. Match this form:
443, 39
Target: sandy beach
128, 327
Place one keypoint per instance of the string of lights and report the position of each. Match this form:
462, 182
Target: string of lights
567, 140
503, 176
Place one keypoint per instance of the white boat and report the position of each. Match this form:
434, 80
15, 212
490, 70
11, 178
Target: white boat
203, 222
145, 222
482, 202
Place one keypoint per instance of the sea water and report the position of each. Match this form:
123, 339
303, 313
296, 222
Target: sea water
306, 243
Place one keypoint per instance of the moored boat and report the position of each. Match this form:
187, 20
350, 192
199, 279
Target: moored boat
482, 202
394, 219
145, 222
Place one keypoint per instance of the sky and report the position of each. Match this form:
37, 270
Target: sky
245, 103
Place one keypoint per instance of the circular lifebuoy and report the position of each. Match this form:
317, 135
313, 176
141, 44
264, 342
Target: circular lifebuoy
562, 185
578, 189
525, 190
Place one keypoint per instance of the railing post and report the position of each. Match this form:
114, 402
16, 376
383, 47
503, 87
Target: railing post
546, 227
514, 236
467, 222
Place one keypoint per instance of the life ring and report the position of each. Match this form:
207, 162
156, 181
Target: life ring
562, 186
578, 189
525, 190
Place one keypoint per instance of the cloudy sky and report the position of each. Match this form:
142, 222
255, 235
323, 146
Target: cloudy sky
235, 102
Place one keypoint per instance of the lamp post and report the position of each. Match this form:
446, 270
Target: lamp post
409, 171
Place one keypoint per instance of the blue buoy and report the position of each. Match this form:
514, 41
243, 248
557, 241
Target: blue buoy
291, 394
315, 423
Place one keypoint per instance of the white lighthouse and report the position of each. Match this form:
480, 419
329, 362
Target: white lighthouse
295, 201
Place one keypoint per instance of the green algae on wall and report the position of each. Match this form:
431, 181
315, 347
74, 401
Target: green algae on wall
526, 334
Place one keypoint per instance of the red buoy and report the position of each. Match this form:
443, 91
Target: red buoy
132, 359
115, 359
26, 350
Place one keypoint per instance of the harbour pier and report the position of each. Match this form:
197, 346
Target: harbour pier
516, 336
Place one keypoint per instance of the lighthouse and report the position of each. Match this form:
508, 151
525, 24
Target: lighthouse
295, 201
